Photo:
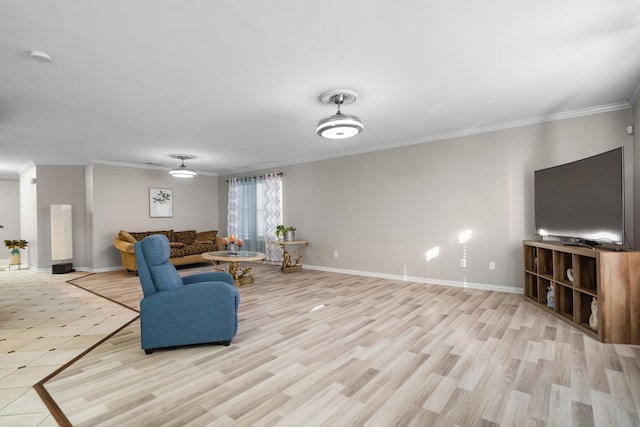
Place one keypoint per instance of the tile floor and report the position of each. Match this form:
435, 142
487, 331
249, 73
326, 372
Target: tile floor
44, 323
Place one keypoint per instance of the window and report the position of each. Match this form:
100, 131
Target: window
257, 202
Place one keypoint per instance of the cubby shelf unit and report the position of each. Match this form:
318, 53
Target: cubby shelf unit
577, 276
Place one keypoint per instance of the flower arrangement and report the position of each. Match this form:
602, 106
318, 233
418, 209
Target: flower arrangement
14, 249
232, 243
16, 244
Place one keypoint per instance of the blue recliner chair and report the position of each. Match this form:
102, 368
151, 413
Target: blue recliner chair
201, 308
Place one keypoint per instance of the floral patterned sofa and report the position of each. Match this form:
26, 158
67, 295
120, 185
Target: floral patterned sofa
186, 246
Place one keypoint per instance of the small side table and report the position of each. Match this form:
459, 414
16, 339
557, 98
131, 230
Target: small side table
289, 263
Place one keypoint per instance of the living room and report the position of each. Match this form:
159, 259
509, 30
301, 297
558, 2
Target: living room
415, 226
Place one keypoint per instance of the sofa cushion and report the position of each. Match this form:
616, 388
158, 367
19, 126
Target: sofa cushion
187, 237
124, 236
193, 249
141, 235
176, 245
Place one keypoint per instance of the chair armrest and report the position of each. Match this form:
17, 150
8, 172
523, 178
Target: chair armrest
123, 246
212, 276
188, 301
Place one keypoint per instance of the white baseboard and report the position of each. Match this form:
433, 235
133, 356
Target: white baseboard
442, 282
76, 268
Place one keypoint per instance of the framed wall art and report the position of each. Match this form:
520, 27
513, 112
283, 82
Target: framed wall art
160, 202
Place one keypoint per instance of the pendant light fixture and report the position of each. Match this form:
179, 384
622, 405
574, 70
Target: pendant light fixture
182, 171
340, 125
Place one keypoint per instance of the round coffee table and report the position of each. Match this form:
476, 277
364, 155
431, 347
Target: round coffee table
241, 274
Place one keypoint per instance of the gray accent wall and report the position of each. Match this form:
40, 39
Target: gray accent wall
636, 176
119, 200
105, 199
382, 211
60, 185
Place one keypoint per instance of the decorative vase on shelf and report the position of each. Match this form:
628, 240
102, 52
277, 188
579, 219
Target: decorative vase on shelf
593, 319
550, 297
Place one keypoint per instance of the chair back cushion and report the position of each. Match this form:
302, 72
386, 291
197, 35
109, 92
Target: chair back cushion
144, 274
155, 250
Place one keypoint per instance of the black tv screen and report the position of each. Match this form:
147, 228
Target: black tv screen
582, 200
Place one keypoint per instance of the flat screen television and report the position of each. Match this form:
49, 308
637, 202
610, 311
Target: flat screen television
582, 201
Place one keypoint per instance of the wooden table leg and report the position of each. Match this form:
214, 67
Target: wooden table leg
290, 264
241, 275
232, 269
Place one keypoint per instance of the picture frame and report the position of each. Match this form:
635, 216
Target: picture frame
160, 203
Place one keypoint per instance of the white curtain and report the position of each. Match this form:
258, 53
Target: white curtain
254, 211
272, 215
233, 218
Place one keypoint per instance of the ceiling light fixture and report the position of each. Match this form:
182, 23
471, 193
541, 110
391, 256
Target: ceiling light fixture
41, 56
339, 126
182, 171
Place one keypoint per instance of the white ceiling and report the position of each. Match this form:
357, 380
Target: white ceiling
236, 83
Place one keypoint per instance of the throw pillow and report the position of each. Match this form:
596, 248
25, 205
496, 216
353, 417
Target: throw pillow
168, 233
123, 235
207, 236
139, 236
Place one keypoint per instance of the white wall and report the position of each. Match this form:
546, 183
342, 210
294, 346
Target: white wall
382, 211
29, 214
9, 215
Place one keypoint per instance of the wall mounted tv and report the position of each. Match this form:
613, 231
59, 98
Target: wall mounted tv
582, 201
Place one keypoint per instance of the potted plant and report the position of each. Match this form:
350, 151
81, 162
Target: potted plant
14, 250
287, 233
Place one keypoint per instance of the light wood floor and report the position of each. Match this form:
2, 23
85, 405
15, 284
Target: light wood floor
319, 348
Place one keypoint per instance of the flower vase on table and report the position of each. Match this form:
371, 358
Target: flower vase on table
14, 256
14, 250
233, 244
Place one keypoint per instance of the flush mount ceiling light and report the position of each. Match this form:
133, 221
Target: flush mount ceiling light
41, 56
339, 126
182, 171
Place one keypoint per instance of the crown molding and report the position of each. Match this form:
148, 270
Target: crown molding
635, 95
533, 121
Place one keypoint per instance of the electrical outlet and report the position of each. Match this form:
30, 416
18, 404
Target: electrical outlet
335, 254
492, 265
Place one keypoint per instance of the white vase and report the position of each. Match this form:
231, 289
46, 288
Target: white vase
14, 256
289, 236
593, 318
